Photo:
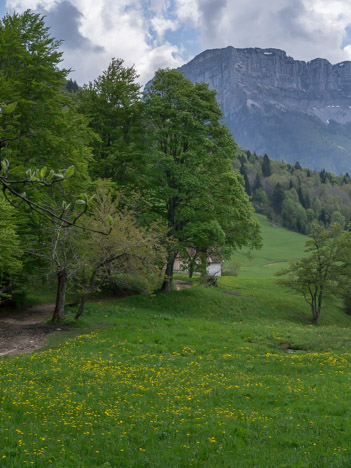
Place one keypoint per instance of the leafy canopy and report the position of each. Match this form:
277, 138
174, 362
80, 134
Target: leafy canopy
324, 271
193, 187
112, 105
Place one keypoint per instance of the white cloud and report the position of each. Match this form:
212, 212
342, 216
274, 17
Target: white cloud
22, 5
119, 29
188, 11
136, 30
123, 30
305, 29
347, 50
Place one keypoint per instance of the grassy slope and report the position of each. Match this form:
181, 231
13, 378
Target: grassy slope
280, 246
197, 378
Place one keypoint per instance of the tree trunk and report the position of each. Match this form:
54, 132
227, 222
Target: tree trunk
315, 313
86, 295
203, 263
62, 280
92, 283
315, 321
167, 282
191, 268
315, 317
317, 308
82, 303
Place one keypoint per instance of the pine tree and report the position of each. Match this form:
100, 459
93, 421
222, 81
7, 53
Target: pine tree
243, 172
278, 198
307, 201
323, 217
323, 176
71, 86
257, 183
266, 166
301, 196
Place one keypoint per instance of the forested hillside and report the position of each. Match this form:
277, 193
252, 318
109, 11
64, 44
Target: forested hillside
293, 196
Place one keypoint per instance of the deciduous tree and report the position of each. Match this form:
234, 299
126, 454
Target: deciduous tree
192, 184
10, 249
128, 249
44, 128
58, 250
321, 272
112, 105
39, 125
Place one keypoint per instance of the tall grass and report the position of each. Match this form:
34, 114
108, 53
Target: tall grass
234, 376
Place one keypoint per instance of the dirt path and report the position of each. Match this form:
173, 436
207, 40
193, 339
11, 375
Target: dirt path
26, 331
181, 284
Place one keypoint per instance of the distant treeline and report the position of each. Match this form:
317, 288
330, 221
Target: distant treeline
293, 196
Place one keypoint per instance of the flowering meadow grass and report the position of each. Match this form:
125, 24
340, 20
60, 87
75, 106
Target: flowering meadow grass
199, 378
196, 378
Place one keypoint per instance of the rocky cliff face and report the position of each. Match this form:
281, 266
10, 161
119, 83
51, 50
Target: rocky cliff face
289, 109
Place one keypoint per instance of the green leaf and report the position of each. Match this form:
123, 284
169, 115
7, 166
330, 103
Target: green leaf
9, 108
4, 165
69, 172
50, 176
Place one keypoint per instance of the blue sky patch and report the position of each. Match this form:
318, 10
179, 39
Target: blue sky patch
2, 8
186, 39
347, 39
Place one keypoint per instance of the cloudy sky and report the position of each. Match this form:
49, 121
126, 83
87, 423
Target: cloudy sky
152, 34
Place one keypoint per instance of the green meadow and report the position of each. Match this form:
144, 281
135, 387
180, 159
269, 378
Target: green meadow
234, 376
279, 247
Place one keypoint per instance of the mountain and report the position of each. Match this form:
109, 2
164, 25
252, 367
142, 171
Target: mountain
290, 109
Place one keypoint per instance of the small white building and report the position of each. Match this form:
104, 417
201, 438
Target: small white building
214, 268
214, 264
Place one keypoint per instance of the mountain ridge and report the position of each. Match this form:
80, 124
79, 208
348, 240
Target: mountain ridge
290, 109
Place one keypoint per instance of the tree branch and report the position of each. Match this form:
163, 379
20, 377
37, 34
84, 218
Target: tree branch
49, 214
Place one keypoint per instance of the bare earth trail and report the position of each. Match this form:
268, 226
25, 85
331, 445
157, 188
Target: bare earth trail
26, 331
181, 284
